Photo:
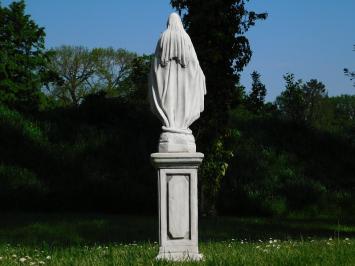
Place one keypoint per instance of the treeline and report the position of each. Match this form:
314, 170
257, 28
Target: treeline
76, 131
295, 155
78, 72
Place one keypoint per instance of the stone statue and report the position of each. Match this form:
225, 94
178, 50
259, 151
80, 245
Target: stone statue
176, 87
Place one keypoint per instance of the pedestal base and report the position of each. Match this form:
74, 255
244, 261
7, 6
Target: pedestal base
179, 257
178, 214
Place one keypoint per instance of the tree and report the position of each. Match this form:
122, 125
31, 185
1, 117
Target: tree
222, 50
23, 58
112, 67
301, 102
217, 31
314, 92
74, 66
136, 82
256, 98
291, 102
350, 74
344, 113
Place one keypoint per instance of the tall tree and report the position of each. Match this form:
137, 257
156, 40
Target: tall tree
222, 50
314, 93
256, 98
350, 74
291, 102
23, 58
74, 65
136, 82
112, 67
217, 31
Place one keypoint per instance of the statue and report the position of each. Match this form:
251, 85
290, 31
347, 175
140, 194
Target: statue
176, 87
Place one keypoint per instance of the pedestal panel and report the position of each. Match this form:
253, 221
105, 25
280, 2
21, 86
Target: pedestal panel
178, 206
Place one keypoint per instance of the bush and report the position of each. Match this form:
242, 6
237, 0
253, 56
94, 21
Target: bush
19, 187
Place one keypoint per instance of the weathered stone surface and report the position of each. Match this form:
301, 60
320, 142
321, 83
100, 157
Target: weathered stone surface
178, 206
178, 213
177, 88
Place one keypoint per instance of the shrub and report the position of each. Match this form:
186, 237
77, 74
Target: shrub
19, 187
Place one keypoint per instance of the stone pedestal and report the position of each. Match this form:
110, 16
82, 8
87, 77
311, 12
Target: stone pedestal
178, 210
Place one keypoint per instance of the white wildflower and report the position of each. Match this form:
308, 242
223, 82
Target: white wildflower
48, 257
22, 259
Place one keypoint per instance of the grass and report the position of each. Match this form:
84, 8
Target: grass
93, 239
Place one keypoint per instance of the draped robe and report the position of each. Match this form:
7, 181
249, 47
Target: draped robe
177, 83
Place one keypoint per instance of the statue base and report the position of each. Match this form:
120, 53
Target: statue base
179, 256
178, 210
176, 142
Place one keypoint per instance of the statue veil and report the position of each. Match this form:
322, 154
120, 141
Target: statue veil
174, 43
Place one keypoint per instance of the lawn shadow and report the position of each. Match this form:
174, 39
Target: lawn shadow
254, 229
71, 229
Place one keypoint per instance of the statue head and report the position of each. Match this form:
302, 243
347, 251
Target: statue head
174, 22
174, 43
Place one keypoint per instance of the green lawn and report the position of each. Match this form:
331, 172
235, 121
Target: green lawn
93, 239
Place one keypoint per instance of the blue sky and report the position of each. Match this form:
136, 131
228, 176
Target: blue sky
310, 38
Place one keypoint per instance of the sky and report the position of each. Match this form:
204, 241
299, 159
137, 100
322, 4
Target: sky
310, 38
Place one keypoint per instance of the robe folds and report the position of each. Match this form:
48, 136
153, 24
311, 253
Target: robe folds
176, 82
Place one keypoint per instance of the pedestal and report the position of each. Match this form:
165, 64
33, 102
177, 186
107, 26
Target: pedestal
178, 210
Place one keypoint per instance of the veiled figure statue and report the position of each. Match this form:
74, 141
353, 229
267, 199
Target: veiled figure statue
176, 87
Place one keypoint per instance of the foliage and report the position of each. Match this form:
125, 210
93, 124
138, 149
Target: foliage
23, 59
256, 99
12, 119
214, 167
17, 185
81, 72
314, 92
112, 68
291, 102
74, 66
350, 74
137, 80
224, 25
282, 167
